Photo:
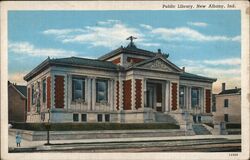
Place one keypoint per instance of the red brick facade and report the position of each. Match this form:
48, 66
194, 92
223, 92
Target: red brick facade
138, 90
48, 92
117, 95
134, 60
117, 60
208, 101
59, 91
127, 95
28, 101
174, 96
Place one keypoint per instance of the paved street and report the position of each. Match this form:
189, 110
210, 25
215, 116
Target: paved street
201, 143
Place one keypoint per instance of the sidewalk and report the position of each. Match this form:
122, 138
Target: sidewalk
35, 144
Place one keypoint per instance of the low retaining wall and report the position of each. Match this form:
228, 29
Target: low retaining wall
69, 135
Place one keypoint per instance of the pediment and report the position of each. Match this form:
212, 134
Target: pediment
159, 64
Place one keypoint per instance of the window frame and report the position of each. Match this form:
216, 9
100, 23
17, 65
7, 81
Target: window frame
197, 98
107, 117
182, 97
32, 94
99, 116
226, 103
44, 94
106, 99
85, 117
73, 90
75, 114
226, 117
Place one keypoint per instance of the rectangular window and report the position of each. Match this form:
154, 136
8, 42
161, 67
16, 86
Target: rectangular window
225, 102
44, 90
226, 118
107, 117
181, 97
99, 117
102, 91
84, 117
195, 94
78, 89
75, 117
33, 95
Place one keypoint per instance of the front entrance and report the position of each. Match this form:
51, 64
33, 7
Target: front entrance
154, 98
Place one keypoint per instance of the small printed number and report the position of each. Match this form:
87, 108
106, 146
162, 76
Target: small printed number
233, 154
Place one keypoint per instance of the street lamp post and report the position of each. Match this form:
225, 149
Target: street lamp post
47, 125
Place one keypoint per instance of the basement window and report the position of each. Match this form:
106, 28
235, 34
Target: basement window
75, 117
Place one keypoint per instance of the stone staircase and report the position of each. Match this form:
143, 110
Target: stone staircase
161, 117
199, 129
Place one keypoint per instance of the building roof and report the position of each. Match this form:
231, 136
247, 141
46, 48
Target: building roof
194, 77
72, 62
20, 89
84, 62
131, 49
231, 91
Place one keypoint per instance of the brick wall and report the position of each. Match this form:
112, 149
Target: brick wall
174, 96
138, 90
117, 60
48, 92
208, 101
59, 91
117, 95
127, 95
134, 60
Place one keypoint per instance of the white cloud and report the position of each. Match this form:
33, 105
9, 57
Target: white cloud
197, 24
146, 26
29, 49
110, 34
185, 33
17, 78
228, 61
230, 73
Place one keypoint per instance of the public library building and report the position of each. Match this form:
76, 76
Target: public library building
126, 85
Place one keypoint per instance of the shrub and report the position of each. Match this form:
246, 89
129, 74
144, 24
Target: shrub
93, 126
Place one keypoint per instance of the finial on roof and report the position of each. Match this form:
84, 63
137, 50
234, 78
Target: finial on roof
165, 55
131, 44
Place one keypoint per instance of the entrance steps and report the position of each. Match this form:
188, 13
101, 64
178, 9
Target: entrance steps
161, 117
199, 129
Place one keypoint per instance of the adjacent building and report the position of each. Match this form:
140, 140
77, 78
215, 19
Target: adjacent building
17, 103
228, 105
127, 85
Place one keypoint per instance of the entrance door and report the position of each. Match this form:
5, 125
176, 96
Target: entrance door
150, 96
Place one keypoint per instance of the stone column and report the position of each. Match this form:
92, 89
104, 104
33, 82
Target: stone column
111, 97
89, 98
120, 93
167, 97
202, 99
93, 93
142, 94
69, 91
186, 97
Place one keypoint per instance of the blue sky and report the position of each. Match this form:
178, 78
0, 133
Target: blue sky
205, 42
